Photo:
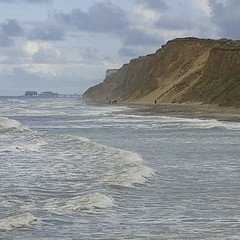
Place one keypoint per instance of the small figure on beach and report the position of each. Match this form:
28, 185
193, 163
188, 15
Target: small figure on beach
155, 101
113, 101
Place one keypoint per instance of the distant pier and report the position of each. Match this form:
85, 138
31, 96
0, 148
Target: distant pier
34, 94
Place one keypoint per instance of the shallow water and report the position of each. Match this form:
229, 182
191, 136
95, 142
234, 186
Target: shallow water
74, 171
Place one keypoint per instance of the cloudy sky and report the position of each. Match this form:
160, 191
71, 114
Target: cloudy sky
67, 45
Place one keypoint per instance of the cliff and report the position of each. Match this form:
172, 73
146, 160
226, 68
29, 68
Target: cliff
184, 70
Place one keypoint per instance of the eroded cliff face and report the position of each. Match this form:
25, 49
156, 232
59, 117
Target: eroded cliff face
183, 70
220, 81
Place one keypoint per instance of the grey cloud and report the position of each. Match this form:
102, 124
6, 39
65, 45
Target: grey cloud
153, 4
20, 80
11, 28
174, 23
7, 1
13, 60
89, 53
15, 53
26, 1
46, 55
46, 33
24, 80
227, 18
39, 1
5, 41
128, 52
101, 18
139, 43
108, 19
136, 37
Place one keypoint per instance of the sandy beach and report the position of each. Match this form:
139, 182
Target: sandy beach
189, 110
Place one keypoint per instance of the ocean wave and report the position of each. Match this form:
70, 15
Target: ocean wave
128, 167
17, 220
19, 139
16, 101
85, 203
123, 168
11, 125
89, 203
113, 155
210, 124
102, 111
34, 146
188, 123
130, 177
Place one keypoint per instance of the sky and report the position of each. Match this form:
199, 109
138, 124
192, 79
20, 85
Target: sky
66, 46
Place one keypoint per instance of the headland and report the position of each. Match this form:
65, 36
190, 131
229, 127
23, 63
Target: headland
186, 76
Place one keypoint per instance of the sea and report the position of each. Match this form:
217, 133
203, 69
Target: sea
74, 171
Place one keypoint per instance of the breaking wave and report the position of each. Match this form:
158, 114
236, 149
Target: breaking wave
21, 147
133, 176
85, 203
211, 124
185, 123
20, 139
17, 220
125, 168
8, 124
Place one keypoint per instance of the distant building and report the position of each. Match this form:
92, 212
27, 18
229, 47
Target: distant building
34, 94
30, 94
48, 95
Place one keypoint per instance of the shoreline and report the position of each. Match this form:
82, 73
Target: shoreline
185, 110
182, 110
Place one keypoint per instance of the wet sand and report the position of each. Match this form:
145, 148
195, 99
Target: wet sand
189, 111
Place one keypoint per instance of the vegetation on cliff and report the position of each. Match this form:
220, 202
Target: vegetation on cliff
184, 70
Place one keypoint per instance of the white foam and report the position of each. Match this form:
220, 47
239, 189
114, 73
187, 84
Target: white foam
16, 101
33, 146
186, 123
120, 154
203, 124
131, 177
127, 168
102, 111
11, 124
89, 203
85, 203
17, 221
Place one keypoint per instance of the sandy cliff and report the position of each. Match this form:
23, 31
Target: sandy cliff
184, 70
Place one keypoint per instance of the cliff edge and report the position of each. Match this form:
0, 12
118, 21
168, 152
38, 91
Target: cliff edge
184, 70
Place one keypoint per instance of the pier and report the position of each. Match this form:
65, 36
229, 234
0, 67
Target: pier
34, 94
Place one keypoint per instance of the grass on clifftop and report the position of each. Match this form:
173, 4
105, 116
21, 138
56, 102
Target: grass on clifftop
230, 45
